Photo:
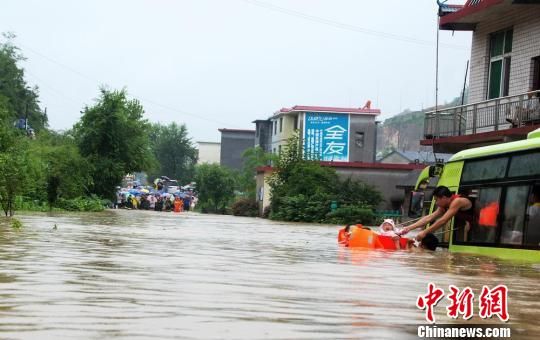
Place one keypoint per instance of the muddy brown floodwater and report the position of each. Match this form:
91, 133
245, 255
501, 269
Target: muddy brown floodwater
137, 274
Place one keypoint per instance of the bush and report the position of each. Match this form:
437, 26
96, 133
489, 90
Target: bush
16, 224
81, 204
27, 204
351, 215
245, 207
301, 208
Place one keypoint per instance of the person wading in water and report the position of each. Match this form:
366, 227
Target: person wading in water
448, 206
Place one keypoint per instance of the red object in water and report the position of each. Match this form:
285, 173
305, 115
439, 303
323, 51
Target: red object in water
366, 238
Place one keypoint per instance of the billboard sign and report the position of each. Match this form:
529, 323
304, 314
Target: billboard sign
326, 136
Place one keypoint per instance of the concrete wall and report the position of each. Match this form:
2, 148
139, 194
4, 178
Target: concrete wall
209, 152
263, 135
362, 152
263, 190
385, 180
233, 145
526, 45
395, 158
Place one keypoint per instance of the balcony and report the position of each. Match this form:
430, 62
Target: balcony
483, 123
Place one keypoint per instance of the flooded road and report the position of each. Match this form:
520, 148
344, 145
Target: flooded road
137, 274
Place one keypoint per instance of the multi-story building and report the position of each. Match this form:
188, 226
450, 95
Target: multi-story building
504, 84
326, 133
233, 144
208, 152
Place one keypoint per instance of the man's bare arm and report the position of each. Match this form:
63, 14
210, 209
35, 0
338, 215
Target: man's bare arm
423, 221
451, 212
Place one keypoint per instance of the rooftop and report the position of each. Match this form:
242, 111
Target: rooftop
421, 156
366, 110
465, 17
236, 130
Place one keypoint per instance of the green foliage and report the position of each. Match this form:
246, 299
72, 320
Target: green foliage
17, 171
253, 158
16, 224
25, 203
245, 207
302, 190
17, 98
174, 151
351, 215
64, 173
301, 208
215, 185
113, 136
93, 204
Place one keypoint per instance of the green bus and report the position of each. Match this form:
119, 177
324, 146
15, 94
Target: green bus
503, 183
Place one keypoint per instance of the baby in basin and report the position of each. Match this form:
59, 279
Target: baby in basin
388, 228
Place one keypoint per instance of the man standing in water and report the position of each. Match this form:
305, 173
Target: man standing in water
448, 206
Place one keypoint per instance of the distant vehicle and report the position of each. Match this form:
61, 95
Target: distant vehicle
171, 186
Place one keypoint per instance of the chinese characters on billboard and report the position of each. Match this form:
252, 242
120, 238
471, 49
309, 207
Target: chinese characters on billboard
326, 137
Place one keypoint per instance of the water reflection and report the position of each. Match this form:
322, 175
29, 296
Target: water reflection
136, 274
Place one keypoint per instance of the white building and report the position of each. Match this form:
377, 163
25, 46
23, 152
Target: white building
209, 152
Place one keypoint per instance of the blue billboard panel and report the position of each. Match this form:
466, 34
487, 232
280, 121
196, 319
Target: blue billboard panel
326, 136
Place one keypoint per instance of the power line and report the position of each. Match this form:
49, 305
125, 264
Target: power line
348, 27
93, 80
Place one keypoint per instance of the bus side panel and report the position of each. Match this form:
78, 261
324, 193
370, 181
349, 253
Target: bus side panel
450, 178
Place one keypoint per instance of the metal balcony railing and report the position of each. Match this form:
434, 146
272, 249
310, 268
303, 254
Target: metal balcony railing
490, 115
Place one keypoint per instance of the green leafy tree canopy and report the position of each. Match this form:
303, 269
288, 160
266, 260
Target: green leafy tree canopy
113, 135
174, 151
19, 100
215, 185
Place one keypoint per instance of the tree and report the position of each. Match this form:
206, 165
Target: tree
253, 158
19, 99
16, 170
174, 151
215, 185
302, 190
64, 173
113, 136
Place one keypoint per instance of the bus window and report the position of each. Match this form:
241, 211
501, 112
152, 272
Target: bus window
486, 211
514, 214
532, 234
525, 165
486, 169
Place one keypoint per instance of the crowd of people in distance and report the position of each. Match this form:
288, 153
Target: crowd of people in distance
157, 198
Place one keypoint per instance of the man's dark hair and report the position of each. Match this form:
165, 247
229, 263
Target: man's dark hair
430, 242
441, 191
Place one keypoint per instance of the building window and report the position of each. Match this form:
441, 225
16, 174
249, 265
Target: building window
500, 49
296, 122
359, 139
536, 74
280, 124
275, 127
274, 151
279, 150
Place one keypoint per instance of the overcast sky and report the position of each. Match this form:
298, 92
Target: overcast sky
224, 63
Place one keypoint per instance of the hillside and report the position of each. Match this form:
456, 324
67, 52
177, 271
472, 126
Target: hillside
405, 130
